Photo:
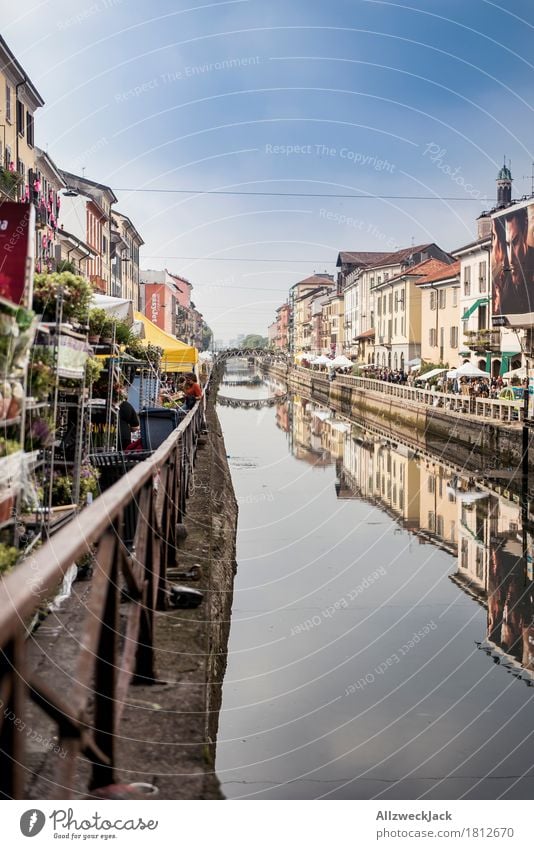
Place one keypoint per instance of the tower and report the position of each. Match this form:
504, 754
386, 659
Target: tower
504, 186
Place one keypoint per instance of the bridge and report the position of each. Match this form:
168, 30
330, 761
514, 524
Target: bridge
254, 404
256, 353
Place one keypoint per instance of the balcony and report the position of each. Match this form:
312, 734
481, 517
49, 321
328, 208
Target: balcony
483, 341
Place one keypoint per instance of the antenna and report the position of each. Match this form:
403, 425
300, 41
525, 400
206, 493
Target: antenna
531, 178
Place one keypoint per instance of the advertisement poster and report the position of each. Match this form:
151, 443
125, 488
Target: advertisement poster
512, 265
17, 226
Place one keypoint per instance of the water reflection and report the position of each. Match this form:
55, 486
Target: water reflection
441, 507
375, 581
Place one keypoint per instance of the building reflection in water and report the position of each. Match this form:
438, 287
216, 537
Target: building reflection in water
441, 506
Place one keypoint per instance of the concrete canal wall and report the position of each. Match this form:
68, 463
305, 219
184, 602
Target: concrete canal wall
483, 436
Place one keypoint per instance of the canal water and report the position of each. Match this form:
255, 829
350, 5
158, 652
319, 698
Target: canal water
382, 629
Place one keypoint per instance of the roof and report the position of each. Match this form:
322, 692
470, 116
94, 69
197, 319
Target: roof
16, 68
478, 243
360, 257
315, 280
42, 155
69, 178
400, 256
367, 334
131, 226
422, 269
311, 292
441, 274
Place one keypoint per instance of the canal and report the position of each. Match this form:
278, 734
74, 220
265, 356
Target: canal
382, 628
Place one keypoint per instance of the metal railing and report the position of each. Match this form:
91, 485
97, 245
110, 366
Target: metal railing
110, 654
495, 409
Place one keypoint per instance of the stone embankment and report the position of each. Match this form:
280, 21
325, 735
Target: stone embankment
485, 437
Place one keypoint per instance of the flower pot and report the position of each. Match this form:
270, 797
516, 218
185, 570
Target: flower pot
106, 340
94, 339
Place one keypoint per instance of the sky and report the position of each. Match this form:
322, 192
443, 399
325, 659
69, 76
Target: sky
292, 97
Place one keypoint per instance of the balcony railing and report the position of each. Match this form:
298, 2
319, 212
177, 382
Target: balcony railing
483, 340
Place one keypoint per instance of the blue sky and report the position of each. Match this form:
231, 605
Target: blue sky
416, 97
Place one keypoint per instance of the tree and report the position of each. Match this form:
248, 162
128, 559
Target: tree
207, 336
254, 340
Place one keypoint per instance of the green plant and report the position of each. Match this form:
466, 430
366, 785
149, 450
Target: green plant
65, 265
93, 370
62, 490
108, 328
9, 181
122, 333
88, 482
97, 319
77, 294
8, 557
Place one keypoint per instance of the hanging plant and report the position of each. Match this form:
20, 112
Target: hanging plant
97, 319
93, 370
77, 294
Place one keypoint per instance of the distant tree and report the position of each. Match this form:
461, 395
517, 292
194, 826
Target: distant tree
254, 340
207, 335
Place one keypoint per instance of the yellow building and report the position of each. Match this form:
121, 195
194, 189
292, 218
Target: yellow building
440, 326
438, 508
300, 324
398, 314
19, 99
333, 315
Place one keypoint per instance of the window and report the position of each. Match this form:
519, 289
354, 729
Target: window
433, 299
432, 337
402, 298
455, 297
454, 337
29, 129
431, 521
20, 118
390, 302
465, 554
440, 530
396, 301
467, 280
8, 104
431, 484
482, 266
442, 299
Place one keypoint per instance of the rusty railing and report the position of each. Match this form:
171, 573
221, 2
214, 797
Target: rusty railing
86, 718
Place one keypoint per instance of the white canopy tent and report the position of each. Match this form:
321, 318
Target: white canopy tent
428, 375
322, 361
117, 307
521, 373
468, 370
341, 362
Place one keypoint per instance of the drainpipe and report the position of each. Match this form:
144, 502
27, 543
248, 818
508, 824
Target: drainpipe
19, 85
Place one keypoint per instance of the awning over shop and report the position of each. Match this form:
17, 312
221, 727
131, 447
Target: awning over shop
119, 308
177, 356
470, 310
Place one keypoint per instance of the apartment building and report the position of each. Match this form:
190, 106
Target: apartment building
298, 312
440, 315
398, 314
19, 100
86, 215
125, 272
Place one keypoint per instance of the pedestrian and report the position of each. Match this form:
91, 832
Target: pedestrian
128, 419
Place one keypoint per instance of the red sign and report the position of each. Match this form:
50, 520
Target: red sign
17, 227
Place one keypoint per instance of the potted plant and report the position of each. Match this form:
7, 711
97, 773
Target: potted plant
8, 557
93, 370
77, 294
97, 319
122, 333
107, 331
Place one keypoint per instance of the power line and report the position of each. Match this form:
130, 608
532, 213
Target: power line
237, 259
300, 195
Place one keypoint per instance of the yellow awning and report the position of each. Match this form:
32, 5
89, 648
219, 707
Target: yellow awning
177, 356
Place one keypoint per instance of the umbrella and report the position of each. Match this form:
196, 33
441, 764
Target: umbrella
341, 361
429, 374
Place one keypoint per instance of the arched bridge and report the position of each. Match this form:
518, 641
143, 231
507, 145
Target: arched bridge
256, 353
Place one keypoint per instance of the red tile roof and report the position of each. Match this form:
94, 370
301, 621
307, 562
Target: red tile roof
441, 274
367, 334
401, 255
315, 280
422, 269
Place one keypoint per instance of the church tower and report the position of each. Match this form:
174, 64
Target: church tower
504, 186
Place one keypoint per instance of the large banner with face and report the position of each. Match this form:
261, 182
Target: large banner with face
512, 265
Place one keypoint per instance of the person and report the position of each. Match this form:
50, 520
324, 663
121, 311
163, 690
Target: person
128, 419
512, 264
192, 392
